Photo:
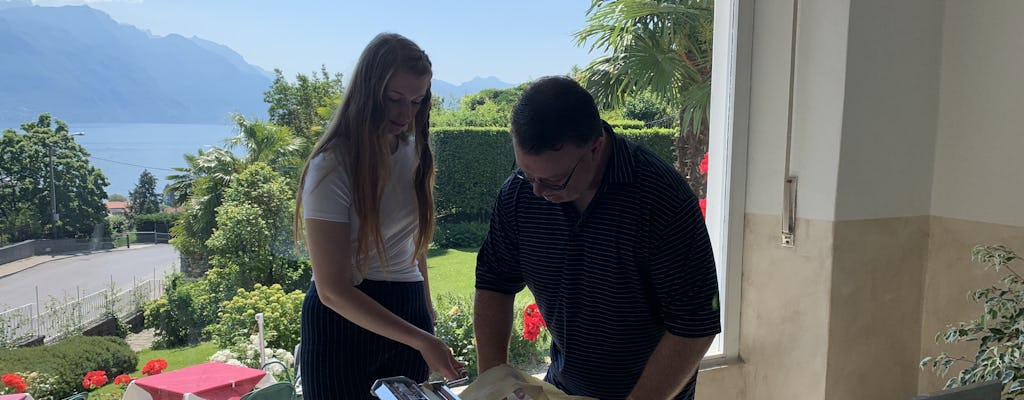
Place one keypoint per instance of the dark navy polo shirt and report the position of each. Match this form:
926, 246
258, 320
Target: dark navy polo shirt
612, 280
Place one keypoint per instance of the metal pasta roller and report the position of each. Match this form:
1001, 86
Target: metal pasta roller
402, 388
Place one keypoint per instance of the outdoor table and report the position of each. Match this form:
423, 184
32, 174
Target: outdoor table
209, 381
16, 396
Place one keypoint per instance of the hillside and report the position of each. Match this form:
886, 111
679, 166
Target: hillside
80, 65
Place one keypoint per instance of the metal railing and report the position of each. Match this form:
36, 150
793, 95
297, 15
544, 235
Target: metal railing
60, 320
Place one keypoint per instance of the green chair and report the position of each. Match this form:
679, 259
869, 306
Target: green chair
283, 390
276, 391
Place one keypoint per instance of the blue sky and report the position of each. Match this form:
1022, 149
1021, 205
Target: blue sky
513, 40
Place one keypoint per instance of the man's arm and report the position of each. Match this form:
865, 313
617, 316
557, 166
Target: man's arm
492, 324
670, 367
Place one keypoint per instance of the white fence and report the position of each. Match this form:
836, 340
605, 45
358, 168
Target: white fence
57, 320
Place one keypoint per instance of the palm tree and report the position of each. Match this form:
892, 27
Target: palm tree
269, 143
215, 164
657, 46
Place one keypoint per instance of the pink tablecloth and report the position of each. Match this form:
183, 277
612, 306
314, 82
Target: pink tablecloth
17, 396
210, 381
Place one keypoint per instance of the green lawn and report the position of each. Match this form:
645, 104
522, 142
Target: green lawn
454, 271
176, 359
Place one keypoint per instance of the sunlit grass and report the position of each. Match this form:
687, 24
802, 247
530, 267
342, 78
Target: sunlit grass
452, 271
176, 359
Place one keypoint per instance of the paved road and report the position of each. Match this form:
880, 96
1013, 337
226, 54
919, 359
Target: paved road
87, 274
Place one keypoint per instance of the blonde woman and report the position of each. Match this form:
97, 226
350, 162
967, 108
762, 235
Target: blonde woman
366, 202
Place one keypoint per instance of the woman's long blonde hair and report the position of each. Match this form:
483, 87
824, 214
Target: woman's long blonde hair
356, 134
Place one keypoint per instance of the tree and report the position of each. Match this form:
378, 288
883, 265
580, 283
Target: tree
25, 202
305, 106
253, 242
199, 188
647, 108
117, 197
269, 143
143, 199
657, 46
488, 107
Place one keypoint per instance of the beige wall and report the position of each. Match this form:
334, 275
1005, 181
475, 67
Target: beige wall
784, 318
877, 275
907, 143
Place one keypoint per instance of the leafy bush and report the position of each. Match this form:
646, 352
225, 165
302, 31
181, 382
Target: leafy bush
460, 235
40, 385
118, 224
70, 359
999, 330
236, 321
181, 314
526, 354
622, 124
454, 325
160, 222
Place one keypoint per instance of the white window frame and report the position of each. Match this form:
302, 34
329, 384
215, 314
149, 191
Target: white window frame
727, 179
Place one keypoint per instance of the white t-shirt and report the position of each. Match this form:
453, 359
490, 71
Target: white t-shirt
328, 196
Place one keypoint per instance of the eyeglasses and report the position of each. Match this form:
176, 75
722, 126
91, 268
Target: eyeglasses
550, 186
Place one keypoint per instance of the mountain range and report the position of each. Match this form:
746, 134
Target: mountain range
81, 65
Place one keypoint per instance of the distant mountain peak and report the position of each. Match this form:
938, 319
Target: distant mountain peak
454, 92
81, 65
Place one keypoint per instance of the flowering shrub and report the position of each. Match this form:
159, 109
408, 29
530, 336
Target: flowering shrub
529, 350
455, 328
282, 312
13, 383
123, 380
94, 379
154, 366
248, 355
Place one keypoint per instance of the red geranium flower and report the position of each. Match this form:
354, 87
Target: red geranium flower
154, 366
94, 379
532, 314
532, 322
704, 207
704, 164
14, 381
122, 379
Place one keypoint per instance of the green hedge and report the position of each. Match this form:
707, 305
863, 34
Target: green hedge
161, 222
621, 124
460, 235
70, 359
472, 163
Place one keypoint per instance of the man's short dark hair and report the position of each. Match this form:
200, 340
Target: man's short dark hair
553, 111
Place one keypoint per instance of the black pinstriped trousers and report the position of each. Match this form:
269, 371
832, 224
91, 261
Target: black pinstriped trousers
340, 360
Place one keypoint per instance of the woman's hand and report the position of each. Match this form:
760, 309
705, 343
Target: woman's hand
439, 358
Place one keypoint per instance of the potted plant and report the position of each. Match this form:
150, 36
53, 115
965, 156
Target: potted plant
999, 330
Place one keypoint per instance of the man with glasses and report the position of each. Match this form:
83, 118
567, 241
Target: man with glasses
612, 243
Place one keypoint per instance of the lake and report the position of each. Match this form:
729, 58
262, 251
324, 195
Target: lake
123, 151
